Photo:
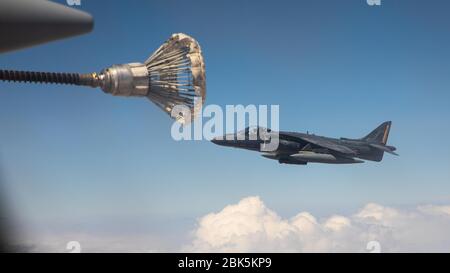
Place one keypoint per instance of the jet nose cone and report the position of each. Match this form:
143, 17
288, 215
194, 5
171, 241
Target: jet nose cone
224, 140
216, 141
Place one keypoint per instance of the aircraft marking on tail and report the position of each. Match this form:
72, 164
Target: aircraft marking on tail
386, 133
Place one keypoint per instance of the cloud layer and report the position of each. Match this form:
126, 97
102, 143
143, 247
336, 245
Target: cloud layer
249, 226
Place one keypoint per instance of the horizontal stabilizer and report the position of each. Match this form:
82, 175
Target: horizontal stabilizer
387, 149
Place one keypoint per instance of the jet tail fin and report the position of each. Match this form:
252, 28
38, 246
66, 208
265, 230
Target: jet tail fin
377, 140
380, 134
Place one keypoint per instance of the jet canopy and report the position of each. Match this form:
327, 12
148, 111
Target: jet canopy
252, 132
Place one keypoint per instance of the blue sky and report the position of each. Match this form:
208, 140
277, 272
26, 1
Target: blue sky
77, 160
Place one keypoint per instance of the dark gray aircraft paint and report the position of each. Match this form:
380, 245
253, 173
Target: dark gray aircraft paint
301, 148
24, 23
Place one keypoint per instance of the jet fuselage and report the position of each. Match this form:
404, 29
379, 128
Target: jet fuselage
301, 148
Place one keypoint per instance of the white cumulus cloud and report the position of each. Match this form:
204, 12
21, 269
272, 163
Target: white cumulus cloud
249, 226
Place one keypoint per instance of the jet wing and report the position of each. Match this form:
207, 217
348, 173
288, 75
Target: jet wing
318, 141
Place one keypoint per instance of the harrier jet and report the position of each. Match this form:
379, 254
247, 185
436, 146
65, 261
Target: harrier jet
301, 148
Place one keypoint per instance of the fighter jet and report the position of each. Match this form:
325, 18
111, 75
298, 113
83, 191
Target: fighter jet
303, 148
